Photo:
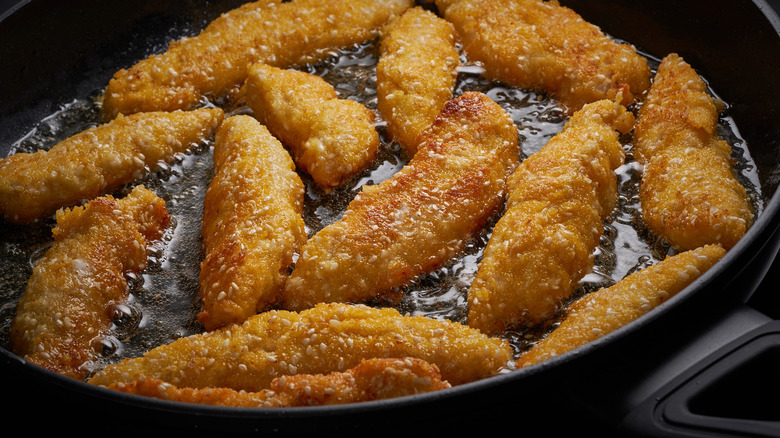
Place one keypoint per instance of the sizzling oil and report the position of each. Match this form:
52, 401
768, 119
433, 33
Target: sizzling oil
164, 300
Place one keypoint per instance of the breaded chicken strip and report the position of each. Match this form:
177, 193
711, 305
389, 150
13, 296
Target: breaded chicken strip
213, 63
67, 305
97, 161
543, 245
415, 74
252, 223
331, 139
608, 309
321, 340
372, 379
544, 46
689, 192
418, 219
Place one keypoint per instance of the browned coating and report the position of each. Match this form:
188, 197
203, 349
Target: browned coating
689, 192
67, 305
418, 219
252, 223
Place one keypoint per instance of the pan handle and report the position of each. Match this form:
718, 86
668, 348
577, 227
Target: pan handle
731, 392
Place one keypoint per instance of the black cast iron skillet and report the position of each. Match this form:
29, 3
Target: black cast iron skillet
697, 366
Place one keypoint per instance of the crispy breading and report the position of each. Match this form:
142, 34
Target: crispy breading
689, 193
331, 139
215, 61
327, 338
608, 309
415, 73
252, 223
420, 218
541, 45
67, 305
543, 244
97, 161
372, 379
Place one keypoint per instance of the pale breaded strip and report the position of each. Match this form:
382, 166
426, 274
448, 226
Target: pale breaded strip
415, 74
331, 139
214, 62
97, 161
689, 192
252, 223
541, 45
418, 219
66, 307
372, 379
321, 340
608, 309
544, 243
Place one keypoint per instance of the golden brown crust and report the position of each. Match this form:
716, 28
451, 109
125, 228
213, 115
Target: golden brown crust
541, 45
372, 379
415, 74
214, 62
252, 223
544, 243
331, 139
689, 193
418, 219
66, 306
608, 309
321, 340
97, 161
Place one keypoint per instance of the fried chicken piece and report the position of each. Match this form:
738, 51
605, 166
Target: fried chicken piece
97, 161
372, 379
68, 303
252, 223
608, 309
543, 244
418, 219
689, 192
215, 62
331, 139
415, 74
541, 45
327, 338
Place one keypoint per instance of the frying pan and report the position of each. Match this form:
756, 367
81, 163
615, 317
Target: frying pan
696, 366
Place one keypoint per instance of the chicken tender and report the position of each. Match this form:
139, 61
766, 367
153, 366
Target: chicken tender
213, 63
608, 309
372, 379
541, 45
331, 139
689, 193
420, 218
415, 74
543, 244
324, 339
252, 223
97, 161
67, 305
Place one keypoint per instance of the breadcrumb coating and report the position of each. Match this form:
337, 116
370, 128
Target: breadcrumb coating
689, 192
608, 309
97, 161
543, 244
214, 63
252, 223
331, 139
327, 338
541, 45
372, 379
418, 219
415, 73
67, 305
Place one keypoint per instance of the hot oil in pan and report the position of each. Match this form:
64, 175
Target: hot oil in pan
164, 300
